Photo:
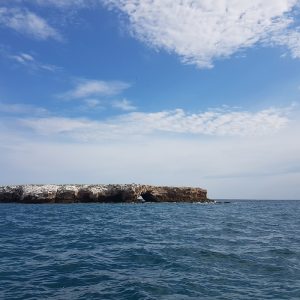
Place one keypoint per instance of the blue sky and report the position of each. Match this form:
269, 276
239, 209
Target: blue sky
202, 93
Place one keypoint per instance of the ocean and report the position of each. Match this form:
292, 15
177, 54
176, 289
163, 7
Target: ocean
239, 250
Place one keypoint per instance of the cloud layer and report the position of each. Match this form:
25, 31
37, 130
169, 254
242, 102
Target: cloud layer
148, 148
202, 31
211, 123
232, 153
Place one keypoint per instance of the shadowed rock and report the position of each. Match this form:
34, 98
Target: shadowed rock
10, 194
100, 193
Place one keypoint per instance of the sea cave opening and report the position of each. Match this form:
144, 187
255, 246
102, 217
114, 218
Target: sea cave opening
148, 197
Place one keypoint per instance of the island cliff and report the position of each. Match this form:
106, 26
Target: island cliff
100, 193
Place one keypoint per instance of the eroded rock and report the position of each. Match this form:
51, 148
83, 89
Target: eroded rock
111, 193
66, 194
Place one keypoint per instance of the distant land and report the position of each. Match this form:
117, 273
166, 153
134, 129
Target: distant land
100, 193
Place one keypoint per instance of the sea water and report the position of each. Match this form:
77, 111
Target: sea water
240, 250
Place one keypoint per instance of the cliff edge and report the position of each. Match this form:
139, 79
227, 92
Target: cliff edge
100, 193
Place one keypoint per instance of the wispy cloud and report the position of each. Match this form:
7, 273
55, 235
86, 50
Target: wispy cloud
65, 3
289, 38
93, 103
91, 88
212, 123
124, 104
28, 23
17, 108
99, 94
57, 125
23, 58
30, 62
201, 32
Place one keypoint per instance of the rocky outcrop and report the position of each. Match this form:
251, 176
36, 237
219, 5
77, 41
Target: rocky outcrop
100, 193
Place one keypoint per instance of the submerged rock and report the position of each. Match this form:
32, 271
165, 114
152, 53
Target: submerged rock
100, 193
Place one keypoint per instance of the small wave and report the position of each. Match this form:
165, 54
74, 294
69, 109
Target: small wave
157, 251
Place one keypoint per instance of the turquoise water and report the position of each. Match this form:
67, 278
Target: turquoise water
242, 250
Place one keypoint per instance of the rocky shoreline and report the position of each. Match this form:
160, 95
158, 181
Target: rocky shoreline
100, 193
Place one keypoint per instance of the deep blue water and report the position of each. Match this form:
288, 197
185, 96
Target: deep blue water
242, 250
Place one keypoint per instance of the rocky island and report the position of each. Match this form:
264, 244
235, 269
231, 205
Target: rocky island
100, 193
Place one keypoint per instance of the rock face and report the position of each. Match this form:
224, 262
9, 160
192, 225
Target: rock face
100, 193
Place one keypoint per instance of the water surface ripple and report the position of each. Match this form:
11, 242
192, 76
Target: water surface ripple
242, 250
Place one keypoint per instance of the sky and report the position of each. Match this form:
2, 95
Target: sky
200, 93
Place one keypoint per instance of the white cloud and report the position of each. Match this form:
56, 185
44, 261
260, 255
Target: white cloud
202, 31
92, 88
211, 123
27, 22
124, 104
